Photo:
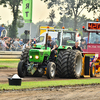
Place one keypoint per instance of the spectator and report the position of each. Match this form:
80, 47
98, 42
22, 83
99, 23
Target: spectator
83, 44
7, 45
31, 44
16, 45
26, 45
21, 42
3, 43
1, 46
34, 40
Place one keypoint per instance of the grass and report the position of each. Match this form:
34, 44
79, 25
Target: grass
8, 64
35, 84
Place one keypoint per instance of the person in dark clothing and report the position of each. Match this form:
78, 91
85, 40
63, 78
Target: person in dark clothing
76, 47
83, 44
7, 45
52, 45
97, 41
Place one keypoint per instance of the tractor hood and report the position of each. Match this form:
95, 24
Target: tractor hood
37, 55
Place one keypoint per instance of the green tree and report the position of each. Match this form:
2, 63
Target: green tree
82, 20
20, 22
52, 16
14, 6
74, 7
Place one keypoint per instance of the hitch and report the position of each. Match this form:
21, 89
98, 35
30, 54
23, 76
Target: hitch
32, 68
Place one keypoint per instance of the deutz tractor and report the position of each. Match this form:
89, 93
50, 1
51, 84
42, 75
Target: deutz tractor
37, 61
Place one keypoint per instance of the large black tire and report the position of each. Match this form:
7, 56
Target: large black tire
51, 70
59, 60
70, 64
25, 55
75, 64
92, 70
21, 69
39, 72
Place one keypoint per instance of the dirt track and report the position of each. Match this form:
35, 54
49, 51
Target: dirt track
9, 72
72, 93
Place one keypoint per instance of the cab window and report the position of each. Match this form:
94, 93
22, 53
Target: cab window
40, 39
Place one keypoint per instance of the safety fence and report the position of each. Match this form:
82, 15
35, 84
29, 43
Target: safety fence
10, 55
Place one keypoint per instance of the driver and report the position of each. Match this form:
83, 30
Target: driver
97, 41
53, 46
51, 43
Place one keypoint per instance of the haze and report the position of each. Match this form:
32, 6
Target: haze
40, 12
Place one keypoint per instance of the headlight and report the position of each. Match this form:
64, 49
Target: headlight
31, 57
36, 57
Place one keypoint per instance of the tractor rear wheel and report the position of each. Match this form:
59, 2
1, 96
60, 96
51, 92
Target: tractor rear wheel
51, 70
92, 70
59, 61
70, 64
21, 69
74, 64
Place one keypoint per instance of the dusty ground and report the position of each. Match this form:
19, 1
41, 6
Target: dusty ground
9, 72
74, 93
69, 93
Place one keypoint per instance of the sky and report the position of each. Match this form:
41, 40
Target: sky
40, 12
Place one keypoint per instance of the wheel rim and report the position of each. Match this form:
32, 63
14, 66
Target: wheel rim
78, 66
52, 71
93, 70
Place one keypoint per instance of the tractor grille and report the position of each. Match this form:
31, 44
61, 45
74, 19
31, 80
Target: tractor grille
34, 53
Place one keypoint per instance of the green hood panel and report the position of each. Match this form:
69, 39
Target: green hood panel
41, 53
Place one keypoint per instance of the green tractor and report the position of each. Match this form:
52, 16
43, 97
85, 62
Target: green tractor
37, 61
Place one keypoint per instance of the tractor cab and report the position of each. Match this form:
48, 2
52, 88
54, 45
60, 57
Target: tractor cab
93, 43
66, 38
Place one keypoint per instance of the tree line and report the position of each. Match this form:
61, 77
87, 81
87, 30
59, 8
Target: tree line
71, 8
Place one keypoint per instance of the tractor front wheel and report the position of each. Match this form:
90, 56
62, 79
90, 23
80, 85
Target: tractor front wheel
51, 70
21, 69
92, 70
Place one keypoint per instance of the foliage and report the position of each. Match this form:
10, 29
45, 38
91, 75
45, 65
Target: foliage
51, 16
68, 23
14, 6
20, 22
74, 7
42, 23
